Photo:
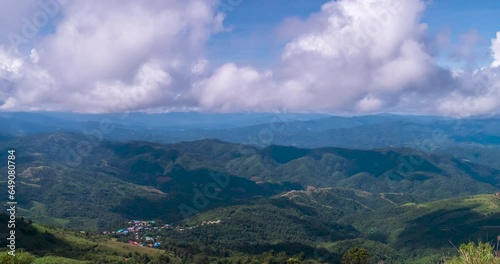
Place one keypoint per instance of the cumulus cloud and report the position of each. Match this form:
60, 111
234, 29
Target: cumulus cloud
476, 92
231, 88
357, 56
10, 66
349, 50
103, 52
495, 48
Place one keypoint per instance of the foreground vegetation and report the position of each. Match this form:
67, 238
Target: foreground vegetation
470, 253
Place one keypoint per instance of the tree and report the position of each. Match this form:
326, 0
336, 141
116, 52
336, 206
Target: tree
355, 256
201, 259
19, 258
161, 259
293, 261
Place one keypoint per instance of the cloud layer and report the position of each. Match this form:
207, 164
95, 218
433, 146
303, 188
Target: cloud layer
356, 56
495, 49
112, 56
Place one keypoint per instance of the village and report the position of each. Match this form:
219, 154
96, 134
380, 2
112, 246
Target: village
147, 233
140, 233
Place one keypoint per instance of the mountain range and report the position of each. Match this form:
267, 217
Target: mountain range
299, 199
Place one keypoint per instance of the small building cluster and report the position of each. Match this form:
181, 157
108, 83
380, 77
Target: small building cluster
149, 233
137, 233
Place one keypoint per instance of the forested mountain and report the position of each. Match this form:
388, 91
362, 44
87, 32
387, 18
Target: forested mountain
312, 204
475, 139
402, 188
132, 179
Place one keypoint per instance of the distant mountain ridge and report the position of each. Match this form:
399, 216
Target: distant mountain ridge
475, 139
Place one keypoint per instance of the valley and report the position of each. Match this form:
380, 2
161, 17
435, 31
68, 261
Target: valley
229, 202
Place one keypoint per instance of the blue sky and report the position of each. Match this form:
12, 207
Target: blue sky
253, 24
459, 16
424, 57
464, 15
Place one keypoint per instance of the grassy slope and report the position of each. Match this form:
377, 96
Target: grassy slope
293, 222
432, 228
322, 221
62, 246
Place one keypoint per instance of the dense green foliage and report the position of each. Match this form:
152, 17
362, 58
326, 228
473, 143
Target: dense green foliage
20, 258
276, 204
147, 180
355, 256
307, 223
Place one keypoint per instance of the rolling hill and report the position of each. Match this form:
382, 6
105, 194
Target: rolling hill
58, 246
325, 223
114, 181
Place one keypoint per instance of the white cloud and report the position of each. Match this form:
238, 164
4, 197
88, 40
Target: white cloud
232, 88
369, 104
352, 56
10, 65
359, 56
367, 47
199, 67
350, 49
495, 48
150, 84
477, 93
463, 106
103, 52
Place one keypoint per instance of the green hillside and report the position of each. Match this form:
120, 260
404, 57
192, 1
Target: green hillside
276, 202
432, 227
324, 224
59, 246
297, 222
113, 182
315, 226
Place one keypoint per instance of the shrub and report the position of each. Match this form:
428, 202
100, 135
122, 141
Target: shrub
355, 256
19, 258
472, 254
